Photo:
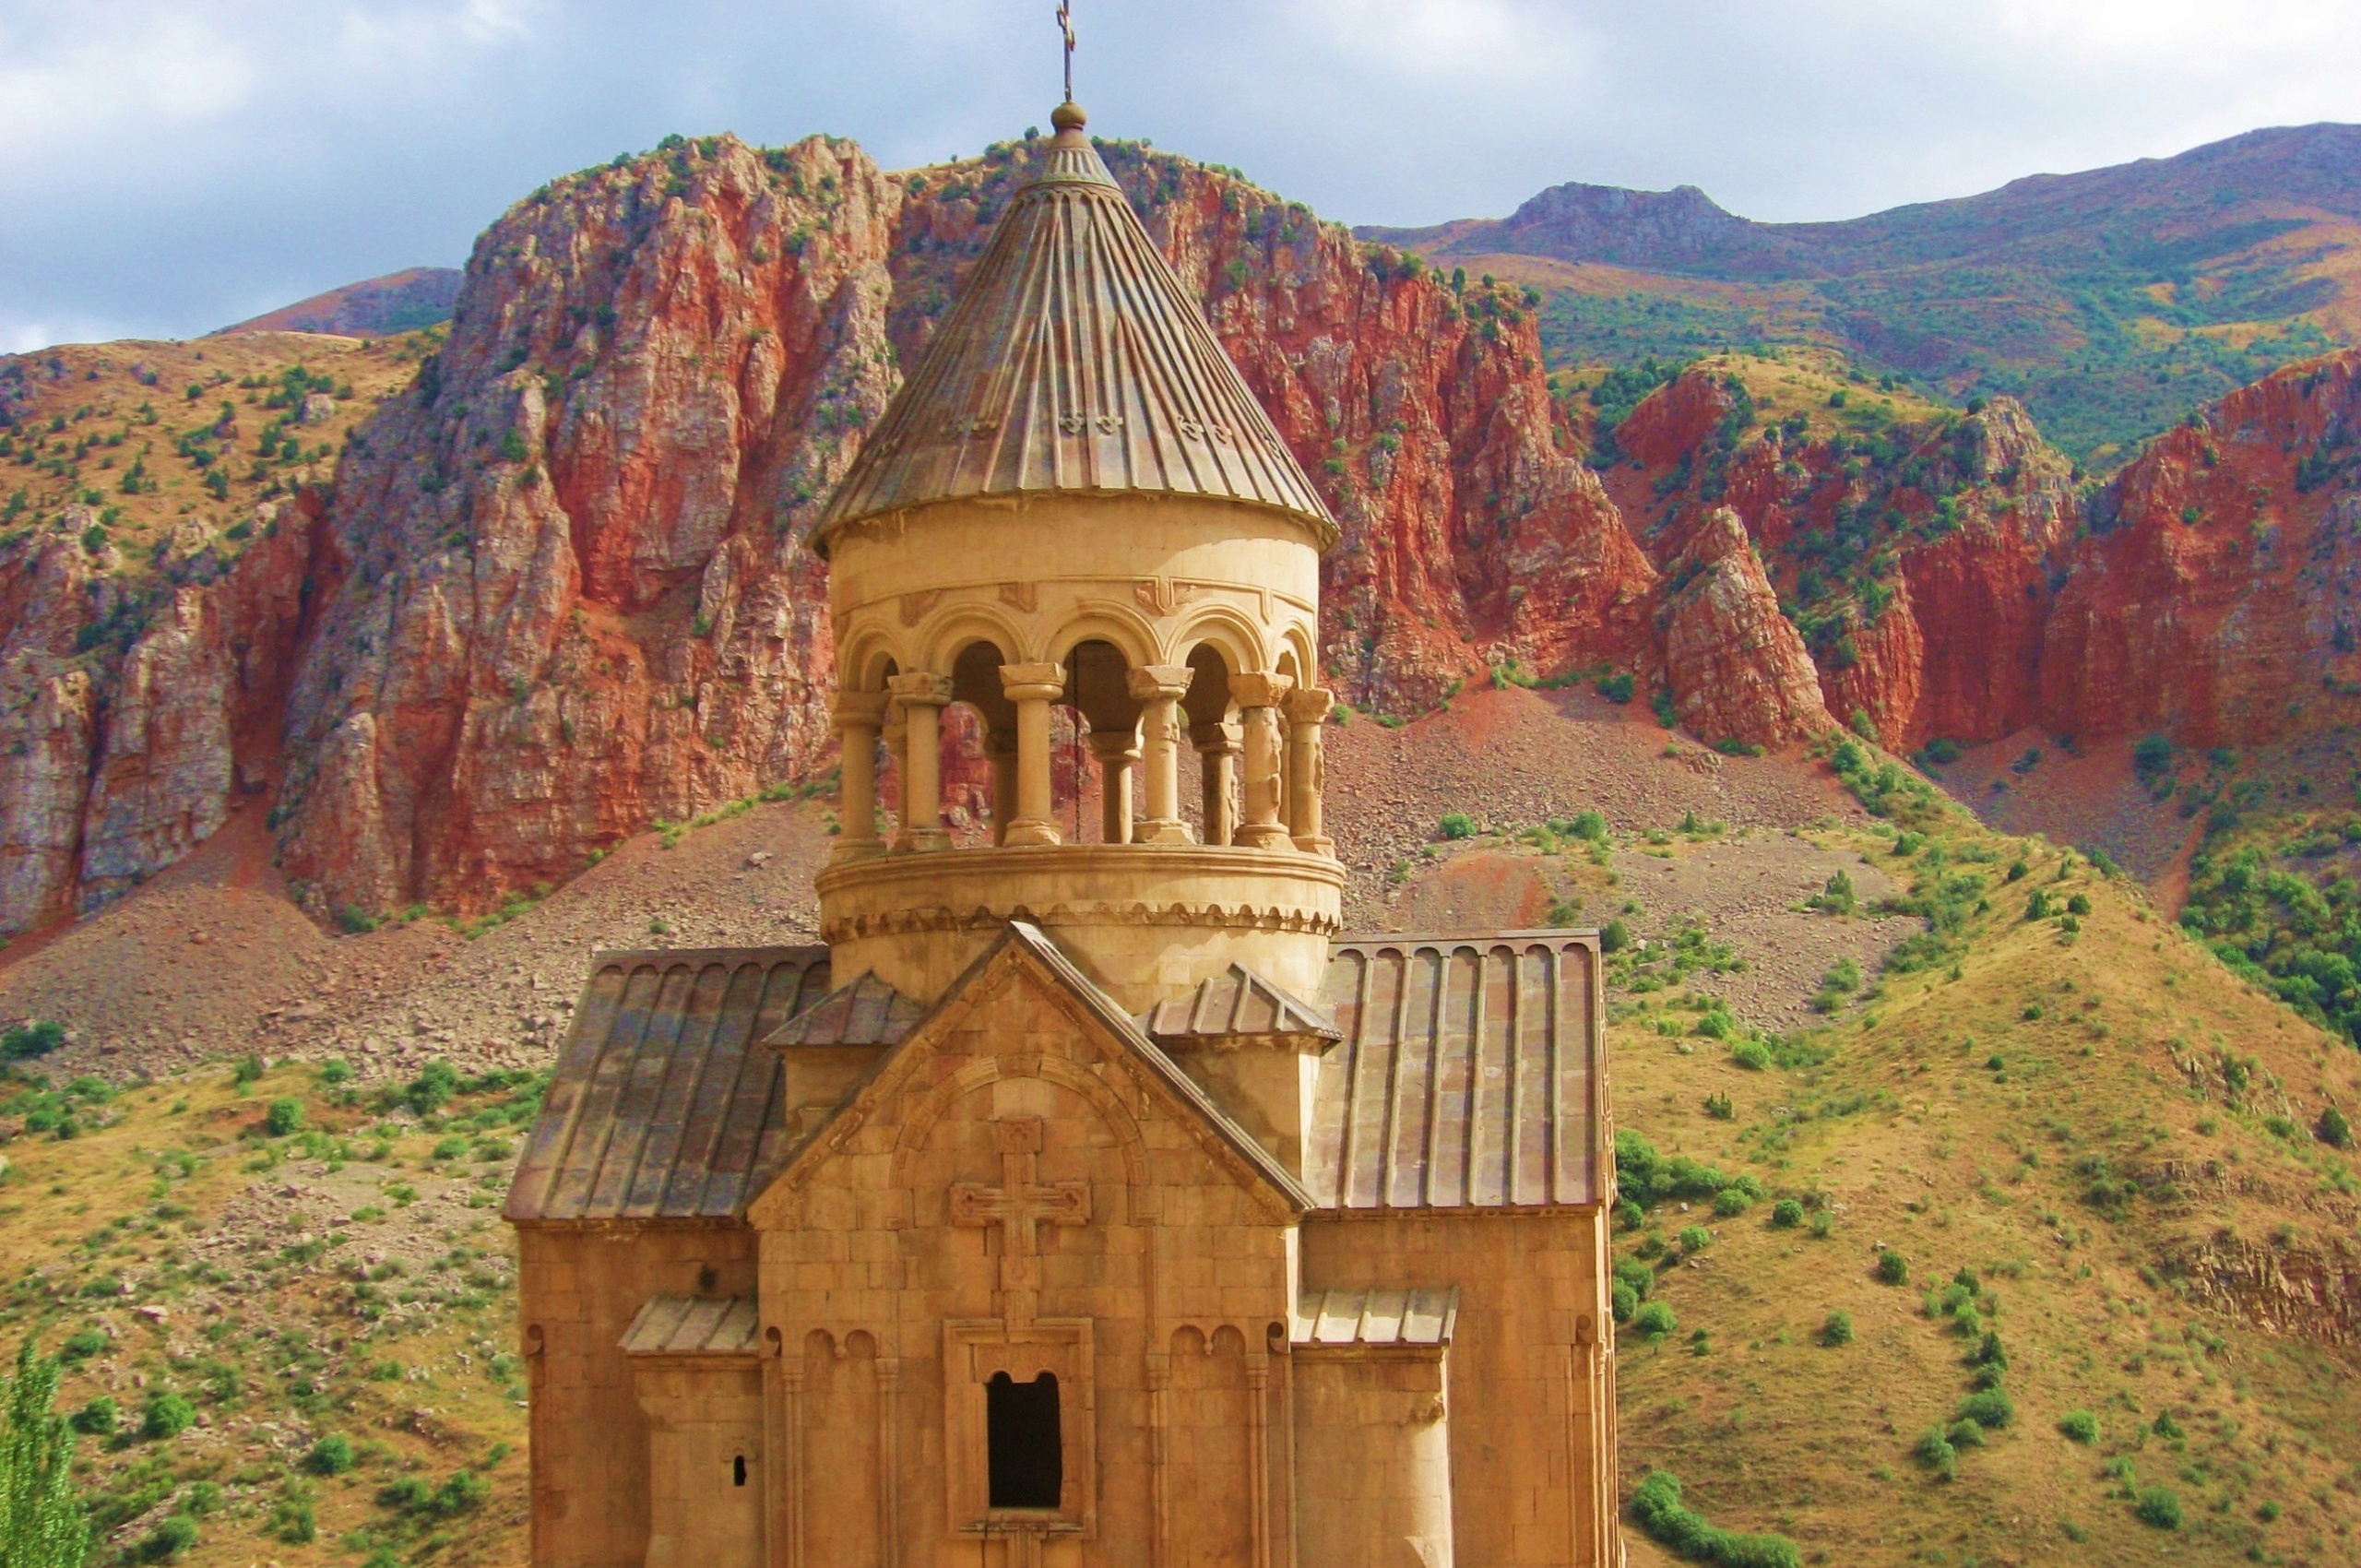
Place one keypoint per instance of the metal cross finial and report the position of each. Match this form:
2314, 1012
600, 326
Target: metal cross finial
1065, 25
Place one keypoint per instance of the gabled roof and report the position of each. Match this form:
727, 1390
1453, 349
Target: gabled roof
663, 1105
1238, 1001
1472, 1073
693, 1325
867, 1012
1026, 942
1073, 360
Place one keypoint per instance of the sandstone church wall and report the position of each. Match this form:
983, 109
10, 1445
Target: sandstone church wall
1533, 1323
590, 1438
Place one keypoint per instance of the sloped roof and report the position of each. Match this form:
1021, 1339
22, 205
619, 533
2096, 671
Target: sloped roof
693, 1325
1471, 1073
1030, 940
1236, 1002
1073, 360
1415, 1315
867, 1012
664, 1105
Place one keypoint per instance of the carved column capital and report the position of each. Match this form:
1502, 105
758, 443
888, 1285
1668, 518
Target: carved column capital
1260, 691
1032, 683
921, 688
859, 709
1148, 682
1309, 705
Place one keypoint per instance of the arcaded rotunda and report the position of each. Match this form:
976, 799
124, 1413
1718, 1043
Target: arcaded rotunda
1085, 1197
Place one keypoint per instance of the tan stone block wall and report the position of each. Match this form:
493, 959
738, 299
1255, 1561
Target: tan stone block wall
1532, 1444
577, 1290
1372, 1450
1180, 1255
705, 1425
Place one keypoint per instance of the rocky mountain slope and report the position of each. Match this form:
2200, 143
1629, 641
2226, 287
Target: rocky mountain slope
555, 587
400, 302
2110, 301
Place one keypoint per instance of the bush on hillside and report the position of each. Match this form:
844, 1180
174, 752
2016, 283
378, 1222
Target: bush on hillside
1657, 1504
2079, 1426
1654, 1321
34, 1038
1892, 1267
2158, 1505
1837, 1330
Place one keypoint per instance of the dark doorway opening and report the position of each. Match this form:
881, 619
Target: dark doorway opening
1026, 1462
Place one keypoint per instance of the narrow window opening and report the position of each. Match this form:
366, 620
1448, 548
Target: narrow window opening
738, 1470
1027, 1463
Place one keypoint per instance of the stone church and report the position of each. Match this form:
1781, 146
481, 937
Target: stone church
1085, 1197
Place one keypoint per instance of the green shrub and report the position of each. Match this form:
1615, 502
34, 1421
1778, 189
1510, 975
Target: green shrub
332, 1455
1786, 1214
1614, 937
2166, 1427
1892, 1267
284, 1118
174, 1534
1751, 1054
1626, 1301
1458, 824
1729, 1203
1636, 1275
2158, 1505
1657, 1504
1654, 1321
1617, 687
447, 1148
36, 1038
1991, 1407
1837, 1330
1694, 1237
1590, 827
1629, 1215
2334, 1130
248, 1070
2079, 1426
1935, 1451
97, 1418
168, 1415
1965, 1435
81, 1344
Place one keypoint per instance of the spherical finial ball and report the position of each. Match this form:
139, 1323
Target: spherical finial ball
1067, 116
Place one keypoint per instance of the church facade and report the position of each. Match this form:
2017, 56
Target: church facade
1077, 1202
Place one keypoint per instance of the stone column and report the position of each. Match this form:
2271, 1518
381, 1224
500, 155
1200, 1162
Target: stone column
999, 748
1032, 687
1118, 752
1159, 688
1307, 709
1258, 698
858, 716
1217, 747
922, 698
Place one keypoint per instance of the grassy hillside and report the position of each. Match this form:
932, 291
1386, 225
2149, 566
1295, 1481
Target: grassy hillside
157, 454
288, 1309
2089, 1152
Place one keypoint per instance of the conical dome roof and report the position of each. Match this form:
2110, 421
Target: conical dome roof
1075, 362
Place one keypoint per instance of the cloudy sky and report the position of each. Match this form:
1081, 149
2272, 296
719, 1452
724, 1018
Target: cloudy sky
167, 166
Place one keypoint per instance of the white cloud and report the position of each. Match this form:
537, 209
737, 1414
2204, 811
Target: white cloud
173, 161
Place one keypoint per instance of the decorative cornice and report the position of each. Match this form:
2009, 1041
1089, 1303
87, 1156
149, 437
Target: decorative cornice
1213, 917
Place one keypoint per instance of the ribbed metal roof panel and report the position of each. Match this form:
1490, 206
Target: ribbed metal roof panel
664, 1103
867, 1012
693, 1325
1471, 1073
1409, 1315
1073, 360
1237, 1001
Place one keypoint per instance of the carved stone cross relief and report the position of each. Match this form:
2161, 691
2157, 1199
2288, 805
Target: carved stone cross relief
1020, 1205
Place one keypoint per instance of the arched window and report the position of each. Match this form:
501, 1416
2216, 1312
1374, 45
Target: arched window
1024, 1461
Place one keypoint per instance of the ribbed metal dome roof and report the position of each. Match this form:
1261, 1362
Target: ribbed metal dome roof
1075, 362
